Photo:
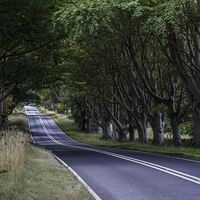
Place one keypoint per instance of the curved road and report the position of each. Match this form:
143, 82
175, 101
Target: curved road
115, 174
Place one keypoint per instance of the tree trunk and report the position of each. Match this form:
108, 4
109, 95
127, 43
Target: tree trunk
3, 121
89, 124
83, 122
175, 129
122, 135
109, 130
157, 126
96, 128
106, 131
131, 133
131, 129
115, 133
101, 118
196, 119
142, 132
114, 126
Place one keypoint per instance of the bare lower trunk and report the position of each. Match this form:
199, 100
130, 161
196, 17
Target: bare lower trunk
89, 124
122, 135
52, 106
141, 126
142, 132
109, 130
114, 113
3, 121
175, 129
195, 102
1, 116
157, 134
157, 125
1, 107
131, 129
115, 133
106, 131
1, 124
96, 128
196, 119
131, 133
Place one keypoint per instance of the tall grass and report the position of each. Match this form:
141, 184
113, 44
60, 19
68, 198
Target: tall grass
13, 150
29, 171
12, 159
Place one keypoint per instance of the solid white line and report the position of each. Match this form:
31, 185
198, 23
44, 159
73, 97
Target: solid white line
77, 176
36, 110
141, 162
80, 179
30, 131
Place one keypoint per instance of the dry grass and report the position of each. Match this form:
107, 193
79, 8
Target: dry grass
165, 135
49, 179
12, 158
28, 171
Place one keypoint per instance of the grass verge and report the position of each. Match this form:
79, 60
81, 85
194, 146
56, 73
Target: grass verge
28, 171
95, 139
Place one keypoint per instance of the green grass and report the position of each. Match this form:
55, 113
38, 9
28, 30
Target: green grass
185, 151
28, 171
18, 121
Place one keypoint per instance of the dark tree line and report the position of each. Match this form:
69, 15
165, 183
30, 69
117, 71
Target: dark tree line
138, 63
27, 61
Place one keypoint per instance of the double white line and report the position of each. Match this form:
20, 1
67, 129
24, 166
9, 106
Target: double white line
75, 174
141, 162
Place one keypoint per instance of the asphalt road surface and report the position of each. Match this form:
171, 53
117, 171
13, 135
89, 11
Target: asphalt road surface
115, 174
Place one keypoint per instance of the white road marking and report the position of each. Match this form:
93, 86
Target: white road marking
141, 162
96, 197
80, 179
30, 132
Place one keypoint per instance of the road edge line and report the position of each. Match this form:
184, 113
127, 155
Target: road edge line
147, 164
96, 197
30, 130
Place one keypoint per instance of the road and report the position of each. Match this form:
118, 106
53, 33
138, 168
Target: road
115, 174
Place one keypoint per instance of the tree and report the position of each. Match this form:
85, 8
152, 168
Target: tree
124, 52
178, 32
26, 30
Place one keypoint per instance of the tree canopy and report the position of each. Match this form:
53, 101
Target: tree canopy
129, 63
27, 62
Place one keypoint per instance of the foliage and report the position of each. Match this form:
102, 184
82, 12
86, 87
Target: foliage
139, 58
26, 62
186, 128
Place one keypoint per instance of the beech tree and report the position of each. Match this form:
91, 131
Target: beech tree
126, 51
26, 32
176, 25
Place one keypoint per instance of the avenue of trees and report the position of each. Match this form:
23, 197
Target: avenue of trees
132, 64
